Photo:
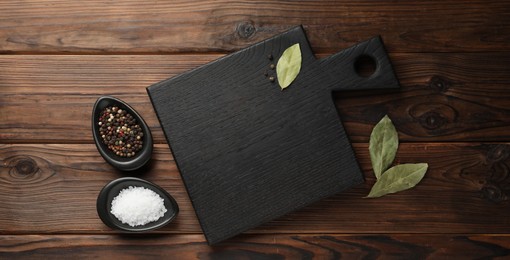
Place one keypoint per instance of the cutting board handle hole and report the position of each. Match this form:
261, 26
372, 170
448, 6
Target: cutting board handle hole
365, 66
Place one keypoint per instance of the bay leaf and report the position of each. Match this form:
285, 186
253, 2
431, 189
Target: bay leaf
398, 178
288, 66
383, 145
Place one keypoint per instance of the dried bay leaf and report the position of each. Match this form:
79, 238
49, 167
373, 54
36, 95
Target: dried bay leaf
288, 65
383, 148
383, 145
398, 178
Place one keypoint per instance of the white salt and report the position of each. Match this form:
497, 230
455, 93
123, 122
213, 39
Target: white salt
138, 206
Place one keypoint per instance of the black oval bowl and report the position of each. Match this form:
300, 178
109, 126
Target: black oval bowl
112, 189
121, 163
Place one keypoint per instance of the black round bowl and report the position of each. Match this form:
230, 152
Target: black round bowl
112, 189
121, 163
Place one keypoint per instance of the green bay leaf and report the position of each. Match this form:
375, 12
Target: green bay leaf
288, 65
383, 145
398, 178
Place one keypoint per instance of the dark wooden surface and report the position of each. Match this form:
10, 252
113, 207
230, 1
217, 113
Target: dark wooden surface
451, 57
248, 151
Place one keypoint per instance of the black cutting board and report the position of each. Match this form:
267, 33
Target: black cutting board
249, 152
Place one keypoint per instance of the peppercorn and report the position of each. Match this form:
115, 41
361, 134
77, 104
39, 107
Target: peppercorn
118, 130
271, 79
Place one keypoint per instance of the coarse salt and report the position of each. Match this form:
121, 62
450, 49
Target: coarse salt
138, 206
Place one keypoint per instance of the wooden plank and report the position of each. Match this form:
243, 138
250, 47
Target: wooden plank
98, 26
444, 97
53, 189
317, 246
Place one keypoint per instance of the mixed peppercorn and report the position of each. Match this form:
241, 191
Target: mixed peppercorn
267, 74
120, 132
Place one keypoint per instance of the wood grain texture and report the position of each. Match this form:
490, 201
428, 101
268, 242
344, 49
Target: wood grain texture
53, 188
99, 26
444, 97
318, 246
451, 57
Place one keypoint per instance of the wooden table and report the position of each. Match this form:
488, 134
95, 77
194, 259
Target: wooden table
453, 112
